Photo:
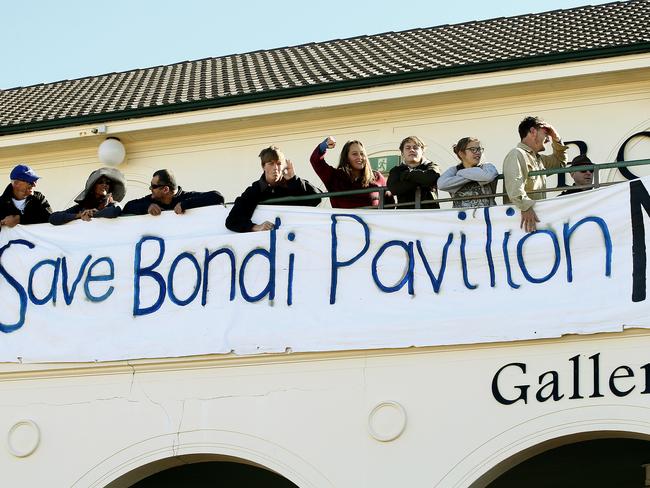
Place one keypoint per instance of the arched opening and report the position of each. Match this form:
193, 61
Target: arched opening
201, 471
596, 461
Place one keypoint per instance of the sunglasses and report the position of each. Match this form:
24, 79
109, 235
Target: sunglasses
155, 187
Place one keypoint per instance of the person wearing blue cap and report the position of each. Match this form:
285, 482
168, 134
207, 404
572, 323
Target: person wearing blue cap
20, 203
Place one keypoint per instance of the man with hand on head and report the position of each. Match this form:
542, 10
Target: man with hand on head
534, 133
166, 195
278, 180
20, 204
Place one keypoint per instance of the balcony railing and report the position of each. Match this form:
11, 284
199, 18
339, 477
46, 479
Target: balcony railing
418, 202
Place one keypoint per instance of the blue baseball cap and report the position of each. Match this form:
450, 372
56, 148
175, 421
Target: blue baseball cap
23, 172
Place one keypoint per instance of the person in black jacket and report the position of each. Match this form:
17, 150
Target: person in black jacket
278, 180
104, 187
414, 172
20, 204
166, 195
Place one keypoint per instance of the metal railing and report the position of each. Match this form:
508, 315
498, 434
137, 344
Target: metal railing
419, 202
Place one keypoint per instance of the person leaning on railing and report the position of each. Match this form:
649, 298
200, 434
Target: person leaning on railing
534, 133
415, 171
104, 187
167, 195
279, 180
352, 173
471, 179
20, 203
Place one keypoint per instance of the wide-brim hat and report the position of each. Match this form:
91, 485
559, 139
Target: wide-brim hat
118, 186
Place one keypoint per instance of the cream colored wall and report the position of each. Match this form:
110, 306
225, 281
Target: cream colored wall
306, 416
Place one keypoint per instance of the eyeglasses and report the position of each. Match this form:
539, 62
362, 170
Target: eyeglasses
475, 150
155, 187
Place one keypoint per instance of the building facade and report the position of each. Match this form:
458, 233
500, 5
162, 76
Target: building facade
441, 414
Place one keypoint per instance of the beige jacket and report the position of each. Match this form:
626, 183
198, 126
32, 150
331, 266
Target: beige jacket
516, 166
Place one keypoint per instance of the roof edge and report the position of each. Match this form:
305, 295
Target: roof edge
311, 43
427, 75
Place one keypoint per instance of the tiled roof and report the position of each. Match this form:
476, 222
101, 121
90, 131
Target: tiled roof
393, 57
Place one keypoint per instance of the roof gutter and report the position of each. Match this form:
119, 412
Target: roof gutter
328, 88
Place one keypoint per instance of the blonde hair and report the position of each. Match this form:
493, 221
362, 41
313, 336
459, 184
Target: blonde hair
367, 175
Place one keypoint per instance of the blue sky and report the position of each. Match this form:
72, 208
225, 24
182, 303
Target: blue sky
47, 41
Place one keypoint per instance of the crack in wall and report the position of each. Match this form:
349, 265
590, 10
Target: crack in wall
254, 395
176, 444
132, 376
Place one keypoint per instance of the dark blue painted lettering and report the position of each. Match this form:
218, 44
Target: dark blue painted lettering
568, 232
291, 237
51, 294
506, 257
488, 245
408, 273
139, 272
335, 263
270, 255
90, 278
206, 269
68, 293
522, 263
170, 279
290, 280
22, 294
436, 281
463, 261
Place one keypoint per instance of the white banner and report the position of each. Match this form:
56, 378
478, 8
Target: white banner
142, 287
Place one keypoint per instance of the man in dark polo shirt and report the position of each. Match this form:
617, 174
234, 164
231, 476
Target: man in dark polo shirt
167, 195
20, 204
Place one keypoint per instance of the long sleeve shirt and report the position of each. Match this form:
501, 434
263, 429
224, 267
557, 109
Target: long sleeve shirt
239, 218
37, 209
403, 181
187, 199
516, 166
470, 182
335, 179
68, 215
